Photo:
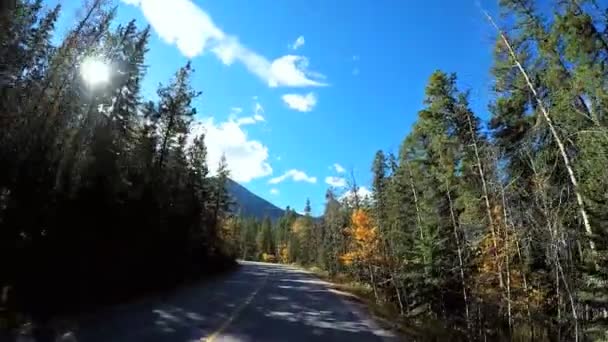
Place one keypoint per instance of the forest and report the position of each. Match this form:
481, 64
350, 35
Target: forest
103, 194
497, 228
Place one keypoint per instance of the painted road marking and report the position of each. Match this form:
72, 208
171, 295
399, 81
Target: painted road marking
234, 314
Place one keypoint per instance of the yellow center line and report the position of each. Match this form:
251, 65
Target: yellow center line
234, 314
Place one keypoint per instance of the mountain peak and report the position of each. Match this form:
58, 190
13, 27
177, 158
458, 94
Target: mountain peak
249, 204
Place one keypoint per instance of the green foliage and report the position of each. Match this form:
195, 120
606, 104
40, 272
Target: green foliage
265, 239
98, 190
483, 226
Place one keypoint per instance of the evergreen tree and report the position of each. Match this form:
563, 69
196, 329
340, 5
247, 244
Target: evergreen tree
98, 190
175, 111
265, 239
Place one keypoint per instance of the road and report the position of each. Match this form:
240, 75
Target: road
256, 302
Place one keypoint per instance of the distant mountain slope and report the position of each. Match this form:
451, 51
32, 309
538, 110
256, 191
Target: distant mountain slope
249, 204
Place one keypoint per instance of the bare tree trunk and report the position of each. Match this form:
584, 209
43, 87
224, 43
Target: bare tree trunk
572, 303
484, 188
373, 281
460, 263
558, 140
508, 279
415, 194
524, 280
554, 243
507, 226
389, 246
558, 295
398, 292
354, 189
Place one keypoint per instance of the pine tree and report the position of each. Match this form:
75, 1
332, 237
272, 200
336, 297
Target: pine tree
265, 239
96, 187
220, 201
175, 110
334, 222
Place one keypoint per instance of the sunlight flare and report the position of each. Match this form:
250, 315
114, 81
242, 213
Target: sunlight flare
95, 71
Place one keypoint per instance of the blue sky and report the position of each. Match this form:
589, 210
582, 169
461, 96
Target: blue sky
292, 88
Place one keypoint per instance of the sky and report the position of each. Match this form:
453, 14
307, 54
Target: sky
299, 94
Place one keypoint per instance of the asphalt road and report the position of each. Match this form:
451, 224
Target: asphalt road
256, 302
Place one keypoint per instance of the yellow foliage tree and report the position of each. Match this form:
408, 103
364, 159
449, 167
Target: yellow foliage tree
364, 246
523, 294
364, 239
228, 232
283, 254
269, 257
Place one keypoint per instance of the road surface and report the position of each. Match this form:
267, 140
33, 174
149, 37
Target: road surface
256, 302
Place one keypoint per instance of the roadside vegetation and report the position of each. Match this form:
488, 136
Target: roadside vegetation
497, 229
102, 195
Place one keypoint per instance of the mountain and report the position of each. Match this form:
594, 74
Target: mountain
249, 204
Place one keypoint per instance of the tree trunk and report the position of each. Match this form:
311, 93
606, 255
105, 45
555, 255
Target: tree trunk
163, 150
373, 281
484, 188
398, 292
460, 263
562, 149
508, 280
524, 280
415, 194
572, 303
507, 226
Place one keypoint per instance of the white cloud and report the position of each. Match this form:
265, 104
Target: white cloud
192, 30
247, 159
295, 175
258, 110
302, 103
298, 43
292, 71
248, 120
363, 193
336, 182
274, 191
339, 168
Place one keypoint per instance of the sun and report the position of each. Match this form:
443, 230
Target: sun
95, 71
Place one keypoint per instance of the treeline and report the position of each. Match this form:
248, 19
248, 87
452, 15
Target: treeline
292, 238
500, 225
102, 194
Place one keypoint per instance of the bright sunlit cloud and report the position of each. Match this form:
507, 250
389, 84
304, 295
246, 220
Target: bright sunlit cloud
247, 158
336, 182
298, 43
95, 71
301, 103
186, 25
339, 168
295, 175
363, 194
